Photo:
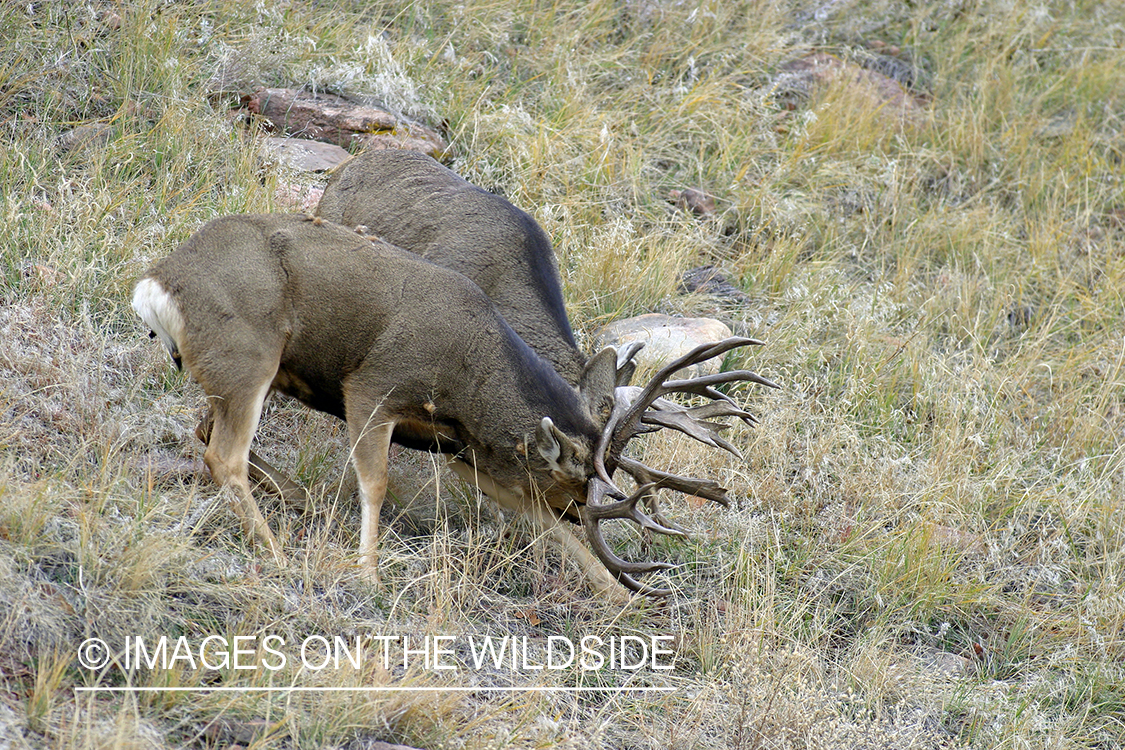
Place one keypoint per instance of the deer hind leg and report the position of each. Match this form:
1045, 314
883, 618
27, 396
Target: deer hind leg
546, 523
261, 473
370, 433
234, 421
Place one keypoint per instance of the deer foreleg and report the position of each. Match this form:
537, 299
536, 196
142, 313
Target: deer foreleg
599, 579
546, 523
261, 472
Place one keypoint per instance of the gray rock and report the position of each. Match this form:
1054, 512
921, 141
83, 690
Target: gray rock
708, 280
666, 338
1060, 126
85, 138
305, 155
800, 78
945, 664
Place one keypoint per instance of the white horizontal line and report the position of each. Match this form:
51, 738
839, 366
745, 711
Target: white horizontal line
298, 689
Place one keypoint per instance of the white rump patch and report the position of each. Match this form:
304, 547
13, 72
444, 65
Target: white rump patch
159, 312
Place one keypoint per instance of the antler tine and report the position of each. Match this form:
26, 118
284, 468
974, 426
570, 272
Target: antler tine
627, 509
693, 421
626, 365
702, 384
652, 502
629, 420
628, 423
711, 410
593, 513
708, 489
642, 588
698, 354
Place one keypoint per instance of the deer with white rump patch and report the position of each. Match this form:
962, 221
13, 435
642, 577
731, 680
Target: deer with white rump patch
404, 351
399, 348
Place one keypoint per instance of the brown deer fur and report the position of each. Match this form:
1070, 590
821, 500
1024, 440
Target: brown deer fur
402, 349
412, 201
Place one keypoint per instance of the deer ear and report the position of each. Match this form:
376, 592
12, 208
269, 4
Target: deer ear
549, 446
597, 382
558, 450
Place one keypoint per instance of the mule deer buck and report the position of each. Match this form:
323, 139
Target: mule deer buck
410, 200
410, 352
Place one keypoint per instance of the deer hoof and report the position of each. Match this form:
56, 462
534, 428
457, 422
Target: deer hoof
275, 550
369, 569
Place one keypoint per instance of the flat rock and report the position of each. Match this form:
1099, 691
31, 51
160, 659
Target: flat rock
666, 338
1060, 126
305, 155
341, 121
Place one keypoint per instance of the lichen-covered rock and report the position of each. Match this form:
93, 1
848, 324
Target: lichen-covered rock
305, 155
709, 280
340, 121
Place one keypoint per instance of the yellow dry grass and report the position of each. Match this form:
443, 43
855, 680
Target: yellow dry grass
927, 548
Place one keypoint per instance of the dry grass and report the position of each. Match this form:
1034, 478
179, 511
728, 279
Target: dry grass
928, 545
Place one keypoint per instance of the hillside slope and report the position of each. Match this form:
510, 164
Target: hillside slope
921, 207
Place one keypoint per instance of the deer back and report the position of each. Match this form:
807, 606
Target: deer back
339, 313
412, 201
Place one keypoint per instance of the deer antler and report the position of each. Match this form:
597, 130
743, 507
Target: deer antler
649, 411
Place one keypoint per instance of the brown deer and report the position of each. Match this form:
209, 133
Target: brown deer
412, 201
399, 348
405, 351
